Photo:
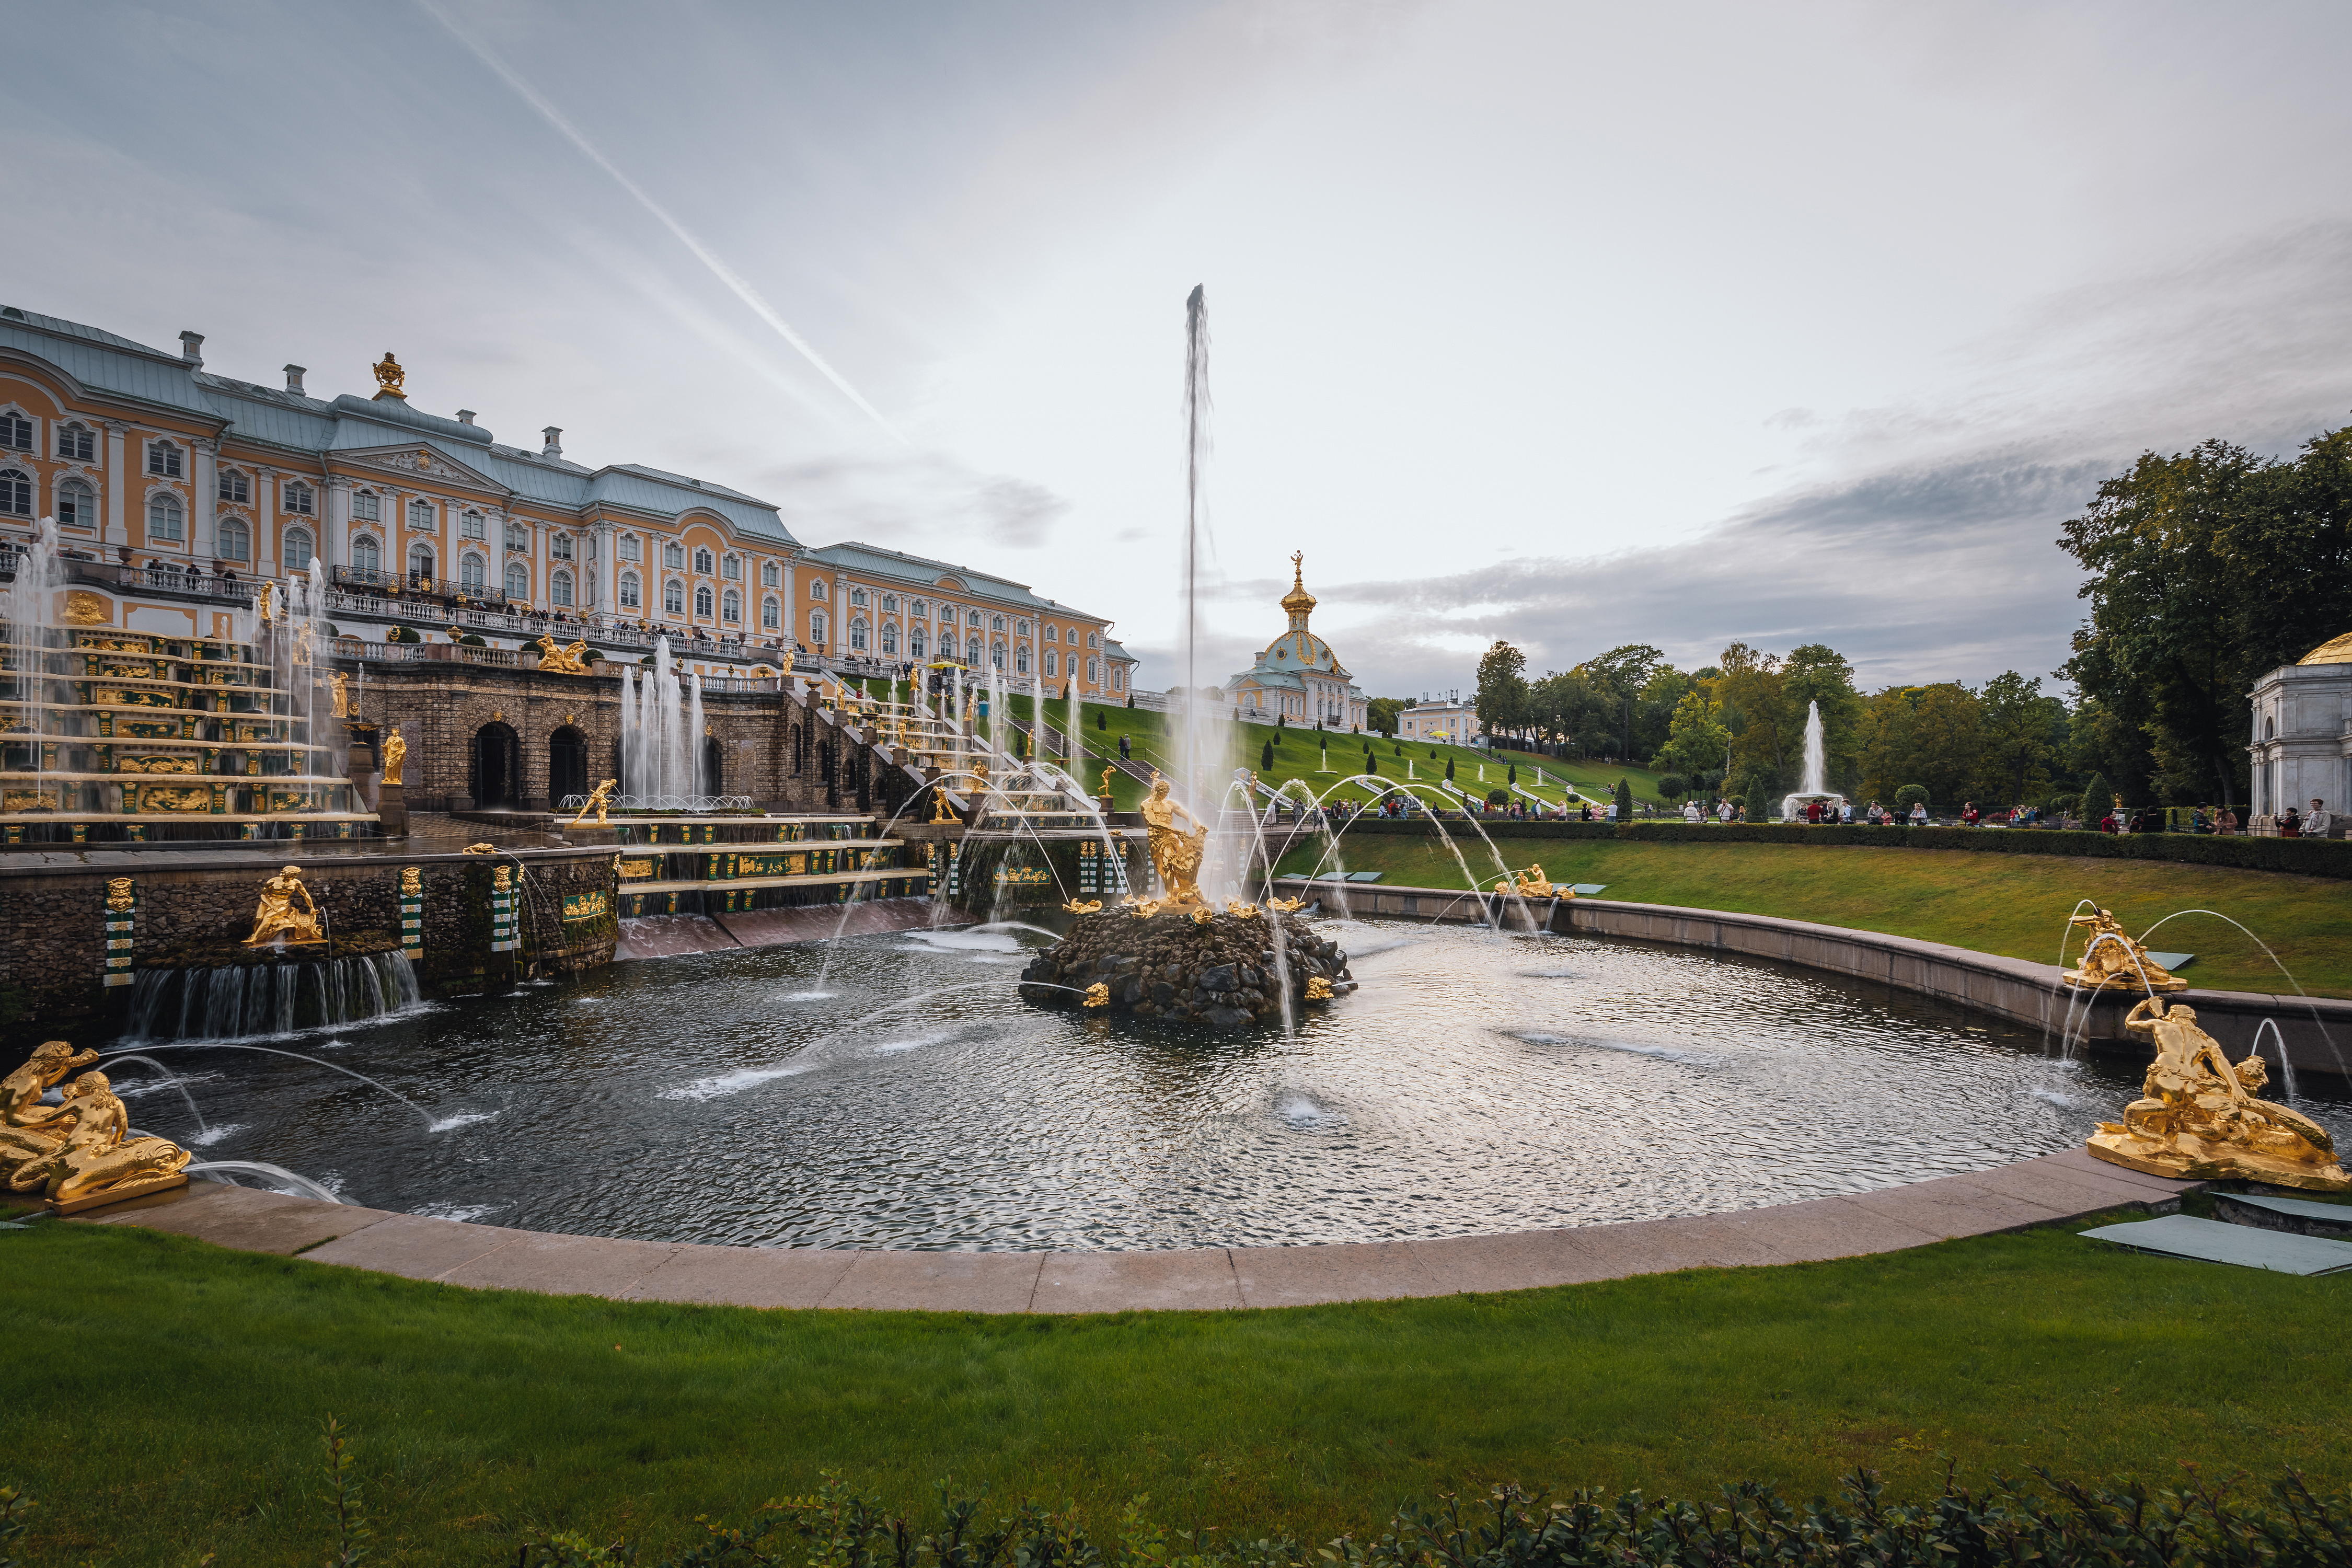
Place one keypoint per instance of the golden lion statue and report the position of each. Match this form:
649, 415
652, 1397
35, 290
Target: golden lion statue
554, 660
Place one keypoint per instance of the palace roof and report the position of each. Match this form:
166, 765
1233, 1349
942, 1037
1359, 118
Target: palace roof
931, 577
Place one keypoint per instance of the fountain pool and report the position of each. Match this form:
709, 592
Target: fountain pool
1476, 1083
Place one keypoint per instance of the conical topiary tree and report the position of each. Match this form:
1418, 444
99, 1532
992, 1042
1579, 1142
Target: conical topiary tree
1449, 768
2098, 799
1624, 801
1266, 758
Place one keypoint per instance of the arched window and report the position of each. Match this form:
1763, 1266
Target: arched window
889, 603
673, 597
1117, 678
857, 597
857, 635
816, 628
1053, 662
296, 498
421, 519
518, 580
17, 493
971, 650
231, 542
702, 602
77, 505
469, 526
917, 645
517, 535
164, 521
420, 564
76, 443
1052, 636
235, 486
366, 507
631, 598
163, 459
816, 588
630, 548
732, 569
559, 590
771, 614
297, 550
996, 656
771, 575
366, 554
702, 563
1020, 659
1094, 672
472, 570
889, 636
730, 606
673, 555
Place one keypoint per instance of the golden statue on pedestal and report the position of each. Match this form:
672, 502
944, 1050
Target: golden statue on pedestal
1175, 854
554, 660
598, 800
2113, 962
940, 810
396, 752
1532, 883
2199, 1120
77, 1155
276, 919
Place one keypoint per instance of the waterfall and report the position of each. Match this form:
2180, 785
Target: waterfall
237, 1000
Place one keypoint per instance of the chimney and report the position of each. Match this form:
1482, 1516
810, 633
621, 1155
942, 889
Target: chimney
554, 448
192, 348
465, 416
294, 380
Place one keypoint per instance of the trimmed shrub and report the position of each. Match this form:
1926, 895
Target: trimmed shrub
1908, 797
1499, 796
1624, 803
1673, 786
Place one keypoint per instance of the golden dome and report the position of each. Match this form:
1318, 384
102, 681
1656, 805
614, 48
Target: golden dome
1299, 601
2338, 650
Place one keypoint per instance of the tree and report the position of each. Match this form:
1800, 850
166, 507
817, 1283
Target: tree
1819, 675
1618, 676
1266, 758
1449, 768
2022, 732
1502, 700
1752, 695
1673, 786
1697, 739
1908, 796
1380, 714
1624, 801
2096, 800
1931, 736
1102, 720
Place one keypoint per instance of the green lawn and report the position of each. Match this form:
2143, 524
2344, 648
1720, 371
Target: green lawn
2010, 904
165, 1395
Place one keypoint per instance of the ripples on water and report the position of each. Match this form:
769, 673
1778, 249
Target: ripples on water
1475, 1083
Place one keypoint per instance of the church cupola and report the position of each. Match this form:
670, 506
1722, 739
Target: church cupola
1299, 602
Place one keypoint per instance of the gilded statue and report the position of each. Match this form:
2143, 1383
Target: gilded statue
1241, 908
554, 660
1319, 989
389, 377
1175, 854
117, 894
1086, 907
599, 800
1106, 789
1286, 906
21, 1092
277, 918
411, 887
261, 597
2113, 962
86, 1157
1142, 908
341, 682
1097, 994
2198, 1119
1532, 883
482, 848
396, 752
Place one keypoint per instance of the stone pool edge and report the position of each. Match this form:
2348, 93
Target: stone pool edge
2049, 1190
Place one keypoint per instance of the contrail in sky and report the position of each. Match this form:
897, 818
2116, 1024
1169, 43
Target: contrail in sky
703, 253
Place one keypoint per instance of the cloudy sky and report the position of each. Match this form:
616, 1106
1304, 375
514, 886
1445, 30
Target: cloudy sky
1575, 324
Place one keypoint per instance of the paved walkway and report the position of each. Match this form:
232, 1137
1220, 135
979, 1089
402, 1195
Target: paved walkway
2012, 1197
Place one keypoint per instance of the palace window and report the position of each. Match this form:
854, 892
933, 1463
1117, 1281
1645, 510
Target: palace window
771, 614
1021, 627
366, 555
919, 609
630, 549
163, 459
857, 635
16, 431
1094, 672
559, 590
971, 650
996, 656
366, 507
996, 623
1053, 662
163, 519
469, 526
730, 606
517, 535
673, 555
77, 505
17, 493
76, 443
771, 575
472, 570
946, 615
889, 636
518, 580
296, 549
559, 547
421, 519
630, 597
296, 498
673, 597
917, 643
857, 597
702, 563
889, 604
1117, 678
1094, 639
235, 486
732, 569
702, 602
816, 628
231, 540
1020, 660
420, 563
816, 588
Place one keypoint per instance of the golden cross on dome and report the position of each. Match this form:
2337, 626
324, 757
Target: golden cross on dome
1298, 568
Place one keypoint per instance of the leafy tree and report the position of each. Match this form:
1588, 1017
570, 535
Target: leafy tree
1752, 696
2098, 798
1819, 674
1697, 740
1673, 786
1502, 700
1909, 796
2023, 732
1382, 714
1617, 678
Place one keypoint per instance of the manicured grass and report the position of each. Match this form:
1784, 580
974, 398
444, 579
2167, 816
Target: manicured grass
163, 1397
2010, 904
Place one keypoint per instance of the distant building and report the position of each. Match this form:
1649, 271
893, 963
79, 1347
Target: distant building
1443, 722
1296, 676
2302, 747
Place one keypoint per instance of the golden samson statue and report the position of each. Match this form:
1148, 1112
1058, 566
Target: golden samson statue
600, 800
277, 916
77, 1154
1175, 854
2199, 1120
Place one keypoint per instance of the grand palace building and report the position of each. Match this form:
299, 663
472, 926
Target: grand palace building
179, 490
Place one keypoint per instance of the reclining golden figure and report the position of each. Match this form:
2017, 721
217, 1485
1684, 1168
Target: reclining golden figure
2199, 1120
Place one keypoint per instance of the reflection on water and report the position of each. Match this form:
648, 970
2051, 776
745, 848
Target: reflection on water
1475, 1083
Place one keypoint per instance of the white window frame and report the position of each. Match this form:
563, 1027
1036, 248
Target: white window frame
631, 548
286, 542
705, 606
509, 587
367, 506
673, 596
76, 443
424, 516
470, 525
473, 573
771, 574
163, 508
559, 547
704, 562
75, 484
632, 592
730, 606
771, 615
368, 544
228, 531
165, 459
235, 486
16, 481
295, 497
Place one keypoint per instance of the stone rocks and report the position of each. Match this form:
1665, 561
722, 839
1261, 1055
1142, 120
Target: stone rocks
1221, 973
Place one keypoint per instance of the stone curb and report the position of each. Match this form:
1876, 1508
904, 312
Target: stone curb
2051, 1190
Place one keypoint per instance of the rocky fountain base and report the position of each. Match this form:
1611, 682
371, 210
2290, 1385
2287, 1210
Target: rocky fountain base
1220, 970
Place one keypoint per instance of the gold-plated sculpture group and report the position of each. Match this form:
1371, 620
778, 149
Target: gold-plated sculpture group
554, 660
2198, 1119
1532, 883
1175, 854
2113, 962
78, 1153
286, 914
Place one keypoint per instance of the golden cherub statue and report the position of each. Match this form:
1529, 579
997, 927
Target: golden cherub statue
396, 752
2114, 961
1175, 854
1532, 883
343, 695
77, 1155
276, 919
554, 660
389, 377
598, 800
2199, 1120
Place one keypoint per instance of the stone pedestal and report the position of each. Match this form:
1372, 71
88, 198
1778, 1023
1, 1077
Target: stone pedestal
392, 810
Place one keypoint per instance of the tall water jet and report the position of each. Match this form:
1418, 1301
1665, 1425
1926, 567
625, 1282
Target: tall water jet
661, 731
1816, 785
35, 562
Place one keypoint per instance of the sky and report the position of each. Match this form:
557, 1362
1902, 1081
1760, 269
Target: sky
1577, 325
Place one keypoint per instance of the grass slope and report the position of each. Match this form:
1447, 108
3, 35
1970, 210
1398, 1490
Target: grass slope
2010, 904
165, 1397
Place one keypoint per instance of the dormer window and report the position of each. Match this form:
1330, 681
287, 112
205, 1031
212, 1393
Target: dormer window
235, 486
703, 564
298, 498
76, 443
163, 459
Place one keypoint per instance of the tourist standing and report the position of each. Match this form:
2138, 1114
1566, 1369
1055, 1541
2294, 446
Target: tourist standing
2290, 824
1968, 814
2316, 822
2226, 824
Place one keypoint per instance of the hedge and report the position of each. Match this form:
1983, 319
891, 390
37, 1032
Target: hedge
2304, 857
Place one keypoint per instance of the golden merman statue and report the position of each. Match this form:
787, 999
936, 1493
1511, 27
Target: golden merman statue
554, 660
2199, 1120
277, 918
1175, 854
82, 1155
1097, 994
2113, 962
1532, 883
598, 800
396, 752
